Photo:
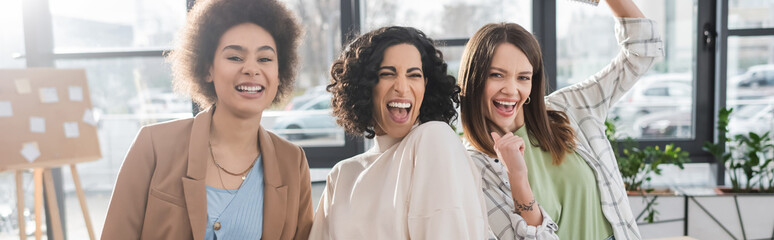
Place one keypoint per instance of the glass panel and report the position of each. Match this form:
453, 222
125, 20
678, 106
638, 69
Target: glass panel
12, 37
750, 14
94, 25
750, 85
305, 117
446, 18
452, 55
660, 104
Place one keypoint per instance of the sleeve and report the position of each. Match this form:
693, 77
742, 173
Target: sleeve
126, 211
320, 226
640, 44
445, 200
305, 214
504, 223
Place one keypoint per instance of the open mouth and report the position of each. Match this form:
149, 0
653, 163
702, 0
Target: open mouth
399, 111
249, 89
505, 107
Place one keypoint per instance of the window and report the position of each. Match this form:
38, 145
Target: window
126, 25
12, 39
305, 117
446, 19
662, 100
750, 14
750, 84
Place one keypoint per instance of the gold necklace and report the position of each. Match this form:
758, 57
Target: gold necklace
242, 174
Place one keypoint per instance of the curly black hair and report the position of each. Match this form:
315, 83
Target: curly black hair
208, 20
355, 73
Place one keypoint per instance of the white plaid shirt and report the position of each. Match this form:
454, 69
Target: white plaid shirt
586, 104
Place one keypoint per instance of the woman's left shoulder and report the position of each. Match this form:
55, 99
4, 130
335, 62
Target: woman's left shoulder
435, 133
434, 128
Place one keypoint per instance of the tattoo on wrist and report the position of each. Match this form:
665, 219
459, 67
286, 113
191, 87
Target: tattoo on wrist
519, 208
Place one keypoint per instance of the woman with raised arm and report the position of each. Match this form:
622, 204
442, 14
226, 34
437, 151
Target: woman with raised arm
547, 168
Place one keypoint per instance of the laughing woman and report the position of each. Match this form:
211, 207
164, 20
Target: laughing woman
416, 182
544, 156
220, 175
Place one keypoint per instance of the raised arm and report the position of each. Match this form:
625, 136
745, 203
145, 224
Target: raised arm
625, 9
640, 45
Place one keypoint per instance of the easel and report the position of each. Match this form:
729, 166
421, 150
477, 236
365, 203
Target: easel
41, 177
47, 122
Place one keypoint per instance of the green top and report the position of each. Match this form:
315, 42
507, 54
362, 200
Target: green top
568, 192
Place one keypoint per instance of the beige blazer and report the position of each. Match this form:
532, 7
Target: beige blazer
160, 191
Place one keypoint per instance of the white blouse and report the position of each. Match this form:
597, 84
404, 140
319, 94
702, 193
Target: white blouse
424, 186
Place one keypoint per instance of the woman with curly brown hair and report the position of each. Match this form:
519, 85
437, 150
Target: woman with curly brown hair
417, 182
547, 168
220, 175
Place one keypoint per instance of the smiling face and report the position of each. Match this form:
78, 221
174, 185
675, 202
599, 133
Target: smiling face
508, 85
398, 95
245, 70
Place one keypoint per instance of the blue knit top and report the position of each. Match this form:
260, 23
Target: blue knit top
240, 213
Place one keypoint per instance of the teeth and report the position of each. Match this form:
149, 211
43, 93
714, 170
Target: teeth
506, 103
250, 88
399, 105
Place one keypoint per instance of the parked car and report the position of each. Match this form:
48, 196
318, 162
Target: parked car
653, 94
311, 119
757, 118
664, 125
311, 93
758, 75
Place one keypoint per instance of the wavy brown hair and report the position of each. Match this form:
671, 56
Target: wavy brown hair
207, 21
548, 129
355, 73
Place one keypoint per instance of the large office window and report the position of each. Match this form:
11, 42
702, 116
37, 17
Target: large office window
305, 117
661, 104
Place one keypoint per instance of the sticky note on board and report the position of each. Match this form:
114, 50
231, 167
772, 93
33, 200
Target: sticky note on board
5, 109
37, 124
48, 95
76, 93
23, 86
30, 151
88, 117
71, 130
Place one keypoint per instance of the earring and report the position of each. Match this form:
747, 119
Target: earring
528, 100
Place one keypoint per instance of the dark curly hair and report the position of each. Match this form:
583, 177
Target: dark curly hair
208, 20
355, 73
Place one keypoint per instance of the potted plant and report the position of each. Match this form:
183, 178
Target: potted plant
742, 211
638, 164
746, 156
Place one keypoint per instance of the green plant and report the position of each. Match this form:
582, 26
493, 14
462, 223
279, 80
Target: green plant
752, 161
636, 164
746, 155
718, 150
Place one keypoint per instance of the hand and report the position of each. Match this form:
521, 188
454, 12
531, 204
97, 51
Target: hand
510, 150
